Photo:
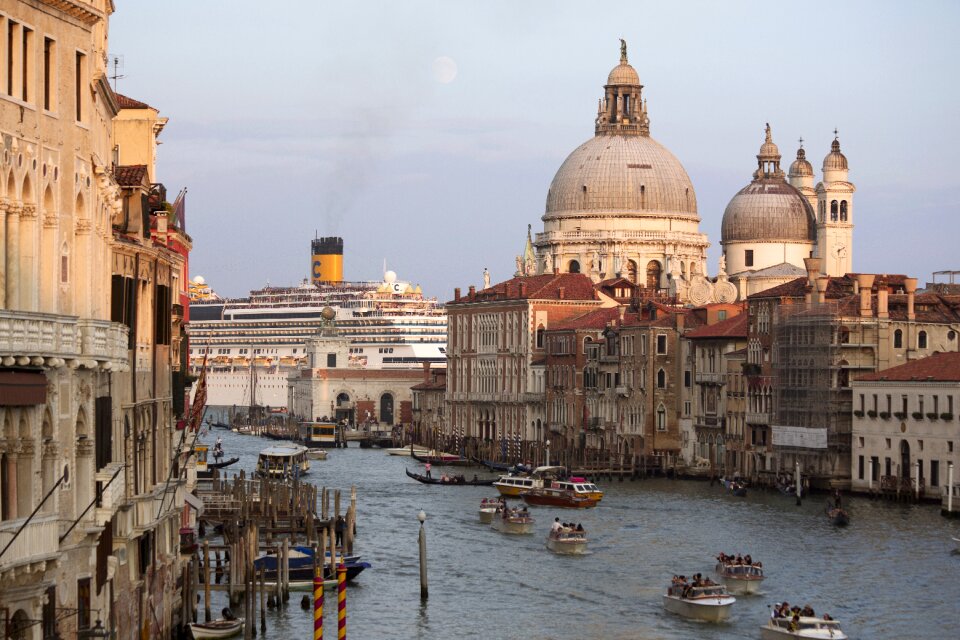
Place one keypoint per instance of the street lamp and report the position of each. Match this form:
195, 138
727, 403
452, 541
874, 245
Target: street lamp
422, 517
96, 632
547, 464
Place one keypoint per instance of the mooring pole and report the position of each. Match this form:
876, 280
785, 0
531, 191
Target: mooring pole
422, 517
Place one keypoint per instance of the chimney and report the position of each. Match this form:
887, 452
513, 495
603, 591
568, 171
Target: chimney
882, 306
426, 371
910, 284
472, 291
523, 289
621, 310
456, 294
561, 293
865, 285
556, 271
822, 282
680, 320
813, 270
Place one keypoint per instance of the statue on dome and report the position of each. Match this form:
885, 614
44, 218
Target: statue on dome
519, 267
623, 50
723, 264
486, 278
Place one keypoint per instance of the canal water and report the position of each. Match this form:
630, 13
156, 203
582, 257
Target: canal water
891, 574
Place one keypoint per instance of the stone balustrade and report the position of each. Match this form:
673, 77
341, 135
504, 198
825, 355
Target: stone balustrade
38, 542
46, 339
622, 236
114, 492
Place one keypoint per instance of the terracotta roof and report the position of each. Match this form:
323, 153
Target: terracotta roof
576, 286
430, 386
596, 319
737, 354
129, 103
938, 367
130, 175
837, 287
735, 327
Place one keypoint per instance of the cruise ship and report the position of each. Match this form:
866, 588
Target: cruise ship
389, 324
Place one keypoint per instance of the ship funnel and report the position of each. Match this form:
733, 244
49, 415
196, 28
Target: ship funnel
327, 263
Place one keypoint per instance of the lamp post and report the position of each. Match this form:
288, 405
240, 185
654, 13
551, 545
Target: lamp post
422, 517
547, 463
798, 489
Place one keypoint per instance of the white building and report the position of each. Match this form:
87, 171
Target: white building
905, 425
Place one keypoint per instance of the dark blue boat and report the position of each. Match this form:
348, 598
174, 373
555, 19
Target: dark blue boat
301, 565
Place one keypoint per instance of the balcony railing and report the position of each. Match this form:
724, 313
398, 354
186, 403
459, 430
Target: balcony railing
759, 417
103, 340
113, 484
38, 542
709, 421
705, 377
148, 505
47, 336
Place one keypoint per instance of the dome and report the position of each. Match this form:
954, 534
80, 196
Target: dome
835, 159
621, 173
623, 73
801, 166
768, 210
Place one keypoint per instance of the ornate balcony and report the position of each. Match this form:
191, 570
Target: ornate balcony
705, 377
36, 545
46, 339
114, 491
759, 417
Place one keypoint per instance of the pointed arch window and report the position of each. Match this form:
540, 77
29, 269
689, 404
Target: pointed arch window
661, 379
661, 418
540, 333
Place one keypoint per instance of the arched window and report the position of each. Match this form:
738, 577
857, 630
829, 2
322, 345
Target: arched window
922, 340
632, 271
540, 332
661, 418
573, 267
843, 211
661, 379
386, 408
653, 274
833, 210
898, 339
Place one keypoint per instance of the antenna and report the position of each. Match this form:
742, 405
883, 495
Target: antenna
117, 65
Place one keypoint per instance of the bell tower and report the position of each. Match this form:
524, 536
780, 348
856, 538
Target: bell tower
835, 214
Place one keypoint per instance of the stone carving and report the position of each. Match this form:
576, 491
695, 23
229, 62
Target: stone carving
701, 292
723, 265
486, 278
725, 291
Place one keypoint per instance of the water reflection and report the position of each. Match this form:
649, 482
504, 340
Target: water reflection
889, 574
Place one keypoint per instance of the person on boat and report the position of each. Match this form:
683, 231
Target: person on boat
555, 527
837, 501
795, 622
579, 527
338, 529
428, 470
827, 616
747, 559
807, 611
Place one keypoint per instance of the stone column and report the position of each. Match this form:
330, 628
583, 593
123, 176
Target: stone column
3, 254
13, 257
11, 497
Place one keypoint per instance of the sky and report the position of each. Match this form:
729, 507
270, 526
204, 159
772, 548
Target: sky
426, 134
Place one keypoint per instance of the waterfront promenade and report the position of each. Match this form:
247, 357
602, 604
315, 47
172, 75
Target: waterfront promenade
891, 574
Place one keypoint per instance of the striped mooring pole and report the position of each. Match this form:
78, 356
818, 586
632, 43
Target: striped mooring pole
341, 602
318, 605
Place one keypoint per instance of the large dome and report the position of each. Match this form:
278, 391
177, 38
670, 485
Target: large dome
768, 210
621, 174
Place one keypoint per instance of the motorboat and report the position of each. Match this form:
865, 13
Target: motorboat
740, 578
407, 451
710, 603
316, 454
300, 563
219, 628
513, 485
567, 540
488, 507
805, 627
283, 461
513, 521
318, 434
580, 486
554, 497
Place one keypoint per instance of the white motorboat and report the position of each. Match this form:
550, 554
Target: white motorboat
317, 454
512, 521
488, 507
283, 462
216, 629
567, 541
407, 451
740, 578
710, 603
806, 627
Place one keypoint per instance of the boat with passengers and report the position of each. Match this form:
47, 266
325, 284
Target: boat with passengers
512, 486
740, 573
798, 626
700, 600
579, 486
567, 540
283, 461
318, 434
516, 521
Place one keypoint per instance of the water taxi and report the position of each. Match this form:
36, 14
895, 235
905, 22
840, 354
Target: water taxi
216, 629
556, 497
805, 627
513, 486
740, 578
317, 454
488, 507
512, 521
710, 603
407, 451
318, 434
567, 540
580, 486
283, 461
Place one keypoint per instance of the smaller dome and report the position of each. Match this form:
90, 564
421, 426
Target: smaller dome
835, 159
199, 280
768, 210
623, 73
801, 166
390, 277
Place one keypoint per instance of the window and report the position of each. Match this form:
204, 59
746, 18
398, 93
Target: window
722, 315
833, 210
875, 468
661, 344
686, 379
748, 257
843, 211
898, 339
26, 65
49, 64
860, 468
934, 473
79, 77
922, 340
686, 407
661, 418
83, 603
331, 361
540, 334
661, 379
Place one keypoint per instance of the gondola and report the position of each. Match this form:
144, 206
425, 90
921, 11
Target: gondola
210, 466
838, 517
445, 460
493, 466
735, 487
453, 482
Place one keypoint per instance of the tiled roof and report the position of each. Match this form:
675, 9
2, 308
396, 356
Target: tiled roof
131, 175
781, 270
129, 103
837, 287
576, 286
430, 386
596, 319
938, 367
739, 353
735, 327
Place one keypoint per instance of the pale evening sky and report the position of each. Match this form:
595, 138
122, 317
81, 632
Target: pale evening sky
295, 117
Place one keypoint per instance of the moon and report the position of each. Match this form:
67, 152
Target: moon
444, 70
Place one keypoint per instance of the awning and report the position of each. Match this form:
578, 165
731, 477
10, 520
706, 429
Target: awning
22, 388
194, 502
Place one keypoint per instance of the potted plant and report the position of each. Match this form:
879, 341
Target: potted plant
885, 415
900, 415
858, 413
872, 413
917, 415
933, 416
946, 416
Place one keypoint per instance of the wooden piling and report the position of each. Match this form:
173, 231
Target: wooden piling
263, 597
207, 576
